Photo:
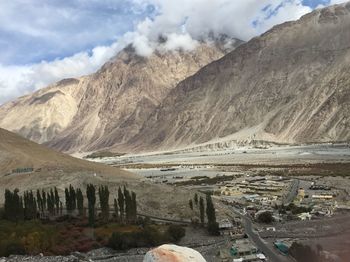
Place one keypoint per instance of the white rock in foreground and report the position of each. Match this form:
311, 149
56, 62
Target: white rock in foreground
173, 253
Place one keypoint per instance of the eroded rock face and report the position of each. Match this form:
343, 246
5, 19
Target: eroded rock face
109, 107
292, 84
173, 253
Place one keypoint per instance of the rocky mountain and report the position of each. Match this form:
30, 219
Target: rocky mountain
291, 84
109, 107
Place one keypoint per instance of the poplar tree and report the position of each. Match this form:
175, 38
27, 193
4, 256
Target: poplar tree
196, 199
91, 196
103, 193
134, 206
201, 210
13, 208
72, 197
39, 201
121, 204
57, 201
213, 227
80, 201
128, 205
68, 201
44, 199
30, 206
116, 212
190, 203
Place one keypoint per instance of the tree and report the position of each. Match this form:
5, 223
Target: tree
51, 202
201, 210
213, 227
57, 201
128, 208
39, 201
121, 204
196, 199
133, 207
103, 193
190, 204
116, 212
265, 217
176, 232
68, 201
44, 199
13, 208
30, 205
91, 196
72, 197
80, 201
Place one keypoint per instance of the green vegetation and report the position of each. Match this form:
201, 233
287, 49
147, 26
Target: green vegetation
102, 154
91, 196
201, 210
190, 203
21, 231
213, 226
103, 193
29, 237
207, 210
145, 237
294, 209
265, 217
204, 180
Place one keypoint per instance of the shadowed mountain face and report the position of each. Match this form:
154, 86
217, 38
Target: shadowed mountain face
291, 84
109, 107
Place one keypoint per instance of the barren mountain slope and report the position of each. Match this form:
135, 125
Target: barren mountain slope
56, 169
45, 113
18, 152
292, 84
110, 106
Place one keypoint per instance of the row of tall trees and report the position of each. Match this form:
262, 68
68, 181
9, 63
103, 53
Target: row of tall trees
125, 207
207, 210
30, 206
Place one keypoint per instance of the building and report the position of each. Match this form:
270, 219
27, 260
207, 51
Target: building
242, 248
225, 224
322, 196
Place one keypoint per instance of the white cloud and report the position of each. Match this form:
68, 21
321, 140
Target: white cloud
20, 80
180, 41
182, 22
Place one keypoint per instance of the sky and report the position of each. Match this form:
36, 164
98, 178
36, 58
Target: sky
43, 41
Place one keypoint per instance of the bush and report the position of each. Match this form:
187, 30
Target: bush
265, 217
147, 237
176, 232
14, 248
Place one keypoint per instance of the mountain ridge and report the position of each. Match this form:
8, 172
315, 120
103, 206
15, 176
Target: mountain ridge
109, 106
280, 115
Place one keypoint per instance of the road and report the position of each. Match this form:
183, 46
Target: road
271, 253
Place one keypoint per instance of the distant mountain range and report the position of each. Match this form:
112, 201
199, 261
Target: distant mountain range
109, 107
290, 85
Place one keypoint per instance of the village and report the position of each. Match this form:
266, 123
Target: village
254, 210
